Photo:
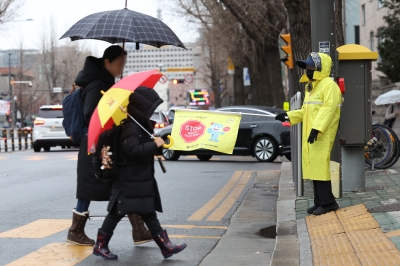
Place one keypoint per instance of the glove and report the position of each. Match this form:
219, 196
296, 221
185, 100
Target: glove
313, 136
281, 117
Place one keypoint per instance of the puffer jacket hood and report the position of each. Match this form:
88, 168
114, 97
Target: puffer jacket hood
93, 70
142, 104
323, 65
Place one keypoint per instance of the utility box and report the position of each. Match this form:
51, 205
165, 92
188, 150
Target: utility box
356, 114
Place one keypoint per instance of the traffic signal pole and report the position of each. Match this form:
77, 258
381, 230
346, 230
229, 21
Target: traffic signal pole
323, 40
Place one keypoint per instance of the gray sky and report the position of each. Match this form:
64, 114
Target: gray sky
65, 13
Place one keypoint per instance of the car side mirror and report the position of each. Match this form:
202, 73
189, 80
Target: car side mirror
171, 120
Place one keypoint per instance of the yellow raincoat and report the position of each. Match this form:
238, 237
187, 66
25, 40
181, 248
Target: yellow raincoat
320, 111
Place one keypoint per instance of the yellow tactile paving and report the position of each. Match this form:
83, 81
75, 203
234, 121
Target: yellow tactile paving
393, 233
360, 241
38, 229
62, 254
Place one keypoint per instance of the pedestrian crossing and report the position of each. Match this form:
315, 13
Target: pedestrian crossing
61, 253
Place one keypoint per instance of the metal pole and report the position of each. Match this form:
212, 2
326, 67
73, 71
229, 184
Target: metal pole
291, 79
11, 93
323, 36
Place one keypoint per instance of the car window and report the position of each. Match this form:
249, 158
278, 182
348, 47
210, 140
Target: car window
50, 113
262, 118
155, 116
246, 118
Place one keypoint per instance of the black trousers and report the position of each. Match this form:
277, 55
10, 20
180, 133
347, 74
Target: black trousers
151, 221
323, 193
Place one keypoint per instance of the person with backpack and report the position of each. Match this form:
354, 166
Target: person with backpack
98, 74
135, 190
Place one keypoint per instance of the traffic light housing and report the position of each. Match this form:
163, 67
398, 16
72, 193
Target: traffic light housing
177, 81
288, 60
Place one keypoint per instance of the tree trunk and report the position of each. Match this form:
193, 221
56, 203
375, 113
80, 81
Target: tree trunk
238, 86
339, 23
266, 77
300, 34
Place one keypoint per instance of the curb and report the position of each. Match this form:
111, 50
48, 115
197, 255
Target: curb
287, 246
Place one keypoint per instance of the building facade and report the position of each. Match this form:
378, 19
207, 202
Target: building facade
371, 19
351, 21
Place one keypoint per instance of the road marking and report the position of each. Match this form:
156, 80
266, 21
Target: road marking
2, 158
199, 237
211, 204
55, 254
38, 229
71, 157
223, 209
34, 158
189, 227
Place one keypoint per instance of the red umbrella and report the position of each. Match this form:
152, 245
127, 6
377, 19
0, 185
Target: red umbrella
131, 82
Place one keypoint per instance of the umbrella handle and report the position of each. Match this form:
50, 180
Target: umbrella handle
171, 142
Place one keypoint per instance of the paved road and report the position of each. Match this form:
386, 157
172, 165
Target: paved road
38, 194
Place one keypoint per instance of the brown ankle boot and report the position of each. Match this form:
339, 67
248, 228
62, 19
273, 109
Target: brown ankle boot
76, 233
140, 233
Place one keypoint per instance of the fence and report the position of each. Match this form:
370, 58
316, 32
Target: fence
295, 143
15, 139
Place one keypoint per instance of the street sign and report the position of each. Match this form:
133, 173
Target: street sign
181, 69
57, 90
324, 47
231, 67
163, 79
246, 77
188, 78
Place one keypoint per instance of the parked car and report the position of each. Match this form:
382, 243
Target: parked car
171, 111
48, 130
161, 120
258, 136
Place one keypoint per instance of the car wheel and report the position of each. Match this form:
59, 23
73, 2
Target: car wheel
204, 157
68, 147
62, 147
265, 150
170, 155
46, 148
288, 156
36, 148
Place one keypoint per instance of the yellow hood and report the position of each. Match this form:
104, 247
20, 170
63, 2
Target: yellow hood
323, 63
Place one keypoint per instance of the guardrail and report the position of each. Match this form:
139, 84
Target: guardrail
12, 139
295, 143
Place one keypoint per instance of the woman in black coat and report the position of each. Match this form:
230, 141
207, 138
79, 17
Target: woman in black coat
136, 190
98, 74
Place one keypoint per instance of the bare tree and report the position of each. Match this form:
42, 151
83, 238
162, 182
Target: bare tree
59, 64
9, 9
248, 32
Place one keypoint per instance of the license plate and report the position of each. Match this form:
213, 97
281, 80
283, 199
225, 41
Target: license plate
57, 129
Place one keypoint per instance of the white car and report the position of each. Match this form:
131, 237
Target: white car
48, 130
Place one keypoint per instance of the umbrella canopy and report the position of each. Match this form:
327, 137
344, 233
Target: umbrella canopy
118, 26
390, 97
128, 84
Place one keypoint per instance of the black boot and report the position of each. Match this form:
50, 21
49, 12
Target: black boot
312, 209
101, 247
326, 208
167, 248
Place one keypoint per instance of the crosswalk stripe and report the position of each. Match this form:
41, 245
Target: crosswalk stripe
34, 158
62, 254
38, 229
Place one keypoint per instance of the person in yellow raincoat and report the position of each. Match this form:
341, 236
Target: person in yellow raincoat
320, 115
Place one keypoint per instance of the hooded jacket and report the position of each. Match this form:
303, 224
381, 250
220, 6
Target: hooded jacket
320, 111
136, 190
93, 78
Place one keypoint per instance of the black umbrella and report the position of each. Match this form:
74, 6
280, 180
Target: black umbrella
120, 26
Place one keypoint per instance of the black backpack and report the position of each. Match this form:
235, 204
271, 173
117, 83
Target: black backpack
109, 158
74, 122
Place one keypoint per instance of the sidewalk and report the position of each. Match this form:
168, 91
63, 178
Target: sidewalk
364, 231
